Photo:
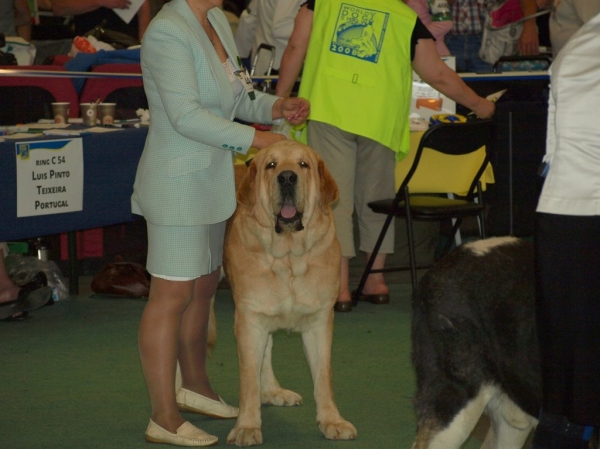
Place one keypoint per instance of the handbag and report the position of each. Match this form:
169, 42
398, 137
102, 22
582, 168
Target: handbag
120, 278
16, 50
502, 30
6, 58
116, 39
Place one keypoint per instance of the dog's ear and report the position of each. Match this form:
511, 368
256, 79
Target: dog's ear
329, 189
245, 189
239, 172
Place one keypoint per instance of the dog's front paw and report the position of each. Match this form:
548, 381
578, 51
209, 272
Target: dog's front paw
245, 436
280, 398
340, 430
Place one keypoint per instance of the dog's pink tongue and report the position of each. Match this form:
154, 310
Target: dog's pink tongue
288, 211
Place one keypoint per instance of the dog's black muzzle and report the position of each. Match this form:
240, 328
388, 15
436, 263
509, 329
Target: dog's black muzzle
288, 216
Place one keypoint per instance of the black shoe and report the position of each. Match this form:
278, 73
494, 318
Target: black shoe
30, 298
383, 298
38, 281
343, 306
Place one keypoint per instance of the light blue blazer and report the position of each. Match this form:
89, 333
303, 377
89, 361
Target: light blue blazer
185, 175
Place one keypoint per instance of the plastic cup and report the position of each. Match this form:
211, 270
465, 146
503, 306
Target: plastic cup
60, 111
89, 113
106, 112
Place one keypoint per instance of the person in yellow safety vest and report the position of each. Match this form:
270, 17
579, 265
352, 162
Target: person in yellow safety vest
358, 59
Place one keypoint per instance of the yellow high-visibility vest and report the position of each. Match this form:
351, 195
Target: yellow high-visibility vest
357, 72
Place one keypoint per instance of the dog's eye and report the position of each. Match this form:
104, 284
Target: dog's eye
304, 164
271, 164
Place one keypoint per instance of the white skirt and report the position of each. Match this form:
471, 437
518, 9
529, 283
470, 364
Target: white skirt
184, 252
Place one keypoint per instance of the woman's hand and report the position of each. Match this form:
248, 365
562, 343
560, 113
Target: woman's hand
294, 109
485, 108
263, 139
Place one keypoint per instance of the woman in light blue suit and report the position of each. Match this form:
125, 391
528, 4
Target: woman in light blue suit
184, 188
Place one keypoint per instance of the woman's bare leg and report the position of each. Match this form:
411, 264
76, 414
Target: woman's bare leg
193, 336
158, 340
344, 295
375, 284
8, 290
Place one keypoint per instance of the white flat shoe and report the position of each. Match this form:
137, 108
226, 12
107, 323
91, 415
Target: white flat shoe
191, 402
186, 435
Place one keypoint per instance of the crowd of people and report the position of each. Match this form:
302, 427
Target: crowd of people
456, 25
365, 68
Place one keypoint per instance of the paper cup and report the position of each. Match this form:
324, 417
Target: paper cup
89, 113
60, 111
106, 112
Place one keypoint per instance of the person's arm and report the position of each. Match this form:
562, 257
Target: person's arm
430, 67
294, 109
244, 35
422, 10
529, 43
144, 15
22, 19
283, 19
75, 7
295, 52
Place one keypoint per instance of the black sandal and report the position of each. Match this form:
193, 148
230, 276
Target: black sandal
32, 296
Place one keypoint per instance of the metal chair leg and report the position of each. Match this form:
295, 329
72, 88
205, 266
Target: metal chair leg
482, 229
371, 261
411, 246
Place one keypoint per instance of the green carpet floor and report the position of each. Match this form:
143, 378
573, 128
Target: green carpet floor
70, 377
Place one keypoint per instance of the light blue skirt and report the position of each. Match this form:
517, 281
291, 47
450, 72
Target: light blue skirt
184, 252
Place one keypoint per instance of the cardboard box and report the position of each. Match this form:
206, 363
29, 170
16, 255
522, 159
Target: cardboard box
426, 101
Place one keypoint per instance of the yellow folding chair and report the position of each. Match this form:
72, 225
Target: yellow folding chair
443, 179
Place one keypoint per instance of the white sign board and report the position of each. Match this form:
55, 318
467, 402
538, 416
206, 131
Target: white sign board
426, 101
127, 14
49, 177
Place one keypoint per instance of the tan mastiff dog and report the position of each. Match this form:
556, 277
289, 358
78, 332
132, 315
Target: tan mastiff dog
282, 259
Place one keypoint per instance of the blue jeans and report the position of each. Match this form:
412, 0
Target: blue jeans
465, 47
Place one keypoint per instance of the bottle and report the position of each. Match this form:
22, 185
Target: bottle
43, 253
42, 249
439, 9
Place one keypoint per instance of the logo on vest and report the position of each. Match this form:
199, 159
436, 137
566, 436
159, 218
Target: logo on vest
359, 32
